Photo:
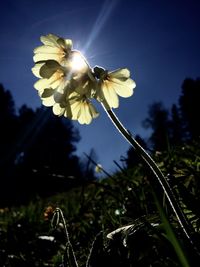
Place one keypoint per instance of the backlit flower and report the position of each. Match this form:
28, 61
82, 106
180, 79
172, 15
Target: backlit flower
56, 80
53, 81
76, 107
52, 76
54, 48
57, 75
67, 83
112, 84
83, 110
62, 107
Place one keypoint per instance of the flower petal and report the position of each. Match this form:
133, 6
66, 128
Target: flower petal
48, 102
49, 68
88, 112
45, 52
110, 94
41, 84
76, 110
58, 110
85, 116
94, 113
123, 88
55, 79
49, 39
120, 74
36, 69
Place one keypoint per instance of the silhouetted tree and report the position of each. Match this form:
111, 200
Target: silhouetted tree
37, 152
175, 126
132, 158
7, 106
8, 122
49, 141
8, 133
158, 121
26, 114
190, 107
47, 145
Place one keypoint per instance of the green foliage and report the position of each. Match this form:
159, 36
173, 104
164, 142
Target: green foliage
182, 166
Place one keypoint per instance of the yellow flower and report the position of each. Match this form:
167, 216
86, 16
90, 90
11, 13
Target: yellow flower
54, 48
67, 83
82, 109
62, 107
56, 80
76, 107
53, 81
98, 168
52, 75
112, 84
66, 90
58, 75
74, 103
50, 98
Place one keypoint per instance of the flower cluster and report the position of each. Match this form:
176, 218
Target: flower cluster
68, 84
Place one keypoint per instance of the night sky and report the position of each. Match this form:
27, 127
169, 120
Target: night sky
158, 40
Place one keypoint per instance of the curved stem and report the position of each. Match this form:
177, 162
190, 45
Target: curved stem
150, 163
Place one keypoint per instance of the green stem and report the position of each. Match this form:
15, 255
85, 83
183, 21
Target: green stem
150, 163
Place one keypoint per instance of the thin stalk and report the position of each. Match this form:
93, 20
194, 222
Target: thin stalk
150, 163
104, 171
71, 258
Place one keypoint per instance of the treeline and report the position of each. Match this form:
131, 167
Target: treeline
36, 153
172, 127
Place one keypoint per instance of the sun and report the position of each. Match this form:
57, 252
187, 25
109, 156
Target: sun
78, 62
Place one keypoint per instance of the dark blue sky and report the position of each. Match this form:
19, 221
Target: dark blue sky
158, 40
